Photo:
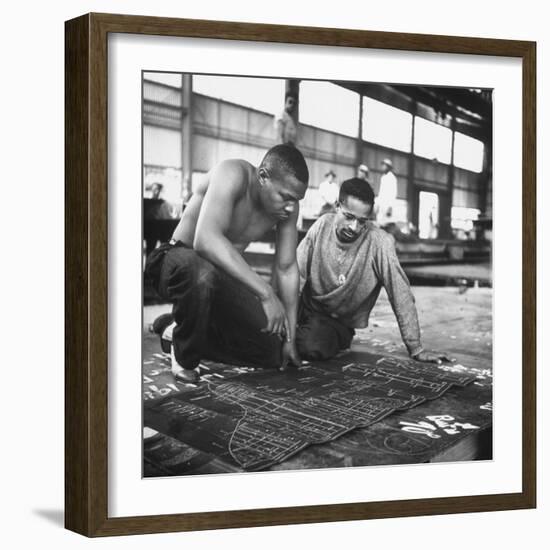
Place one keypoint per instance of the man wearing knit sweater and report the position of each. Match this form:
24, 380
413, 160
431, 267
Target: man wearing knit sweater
344, 261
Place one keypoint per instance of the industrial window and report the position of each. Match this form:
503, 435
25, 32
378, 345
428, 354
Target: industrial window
263, 94
386, 125
330, 107
432, 141
468, 153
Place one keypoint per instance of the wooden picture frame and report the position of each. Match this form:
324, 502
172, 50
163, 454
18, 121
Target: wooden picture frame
86, 231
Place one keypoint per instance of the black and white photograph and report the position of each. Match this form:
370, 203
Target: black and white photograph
291, 258
317, 274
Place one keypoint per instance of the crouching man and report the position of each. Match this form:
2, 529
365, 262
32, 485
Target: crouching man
223, 310
344, 261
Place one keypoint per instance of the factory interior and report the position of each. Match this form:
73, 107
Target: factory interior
237, 418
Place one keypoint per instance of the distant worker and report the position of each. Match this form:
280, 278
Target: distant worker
285, 125
328, 192
155, 208
363, 172
387, 194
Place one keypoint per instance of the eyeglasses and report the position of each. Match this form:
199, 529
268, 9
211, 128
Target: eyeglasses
362, 222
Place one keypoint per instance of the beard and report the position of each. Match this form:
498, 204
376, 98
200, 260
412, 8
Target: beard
345, 235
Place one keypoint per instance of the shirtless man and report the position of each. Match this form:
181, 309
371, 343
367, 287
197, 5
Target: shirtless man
222, 309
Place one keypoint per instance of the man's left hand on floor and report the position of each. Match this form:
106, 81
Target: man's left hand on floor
433, 357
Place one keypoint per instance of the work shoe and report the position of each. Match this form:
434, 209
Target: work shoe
161, 322
163, 326
187, 376
180, 374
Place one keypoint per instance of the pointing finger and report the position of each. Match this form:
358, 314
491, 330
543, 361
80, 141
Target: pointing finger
287, 329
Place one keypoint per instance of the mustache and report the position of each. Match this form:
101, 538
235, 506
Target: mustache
348, 234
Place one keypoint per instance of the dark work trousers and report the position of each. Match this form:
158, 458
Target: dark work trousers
319, 336
216, 317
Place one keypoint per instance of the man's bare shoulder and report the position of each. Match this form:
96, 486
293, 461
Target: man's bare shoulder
235, 164
237, 170
233, 175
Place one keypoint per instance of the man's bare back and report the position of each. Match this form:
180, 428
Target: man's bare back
248, 220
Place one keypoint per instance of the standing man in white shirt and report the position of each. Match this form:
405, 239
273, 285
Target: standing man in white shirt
363, 172
387, 194
328, 192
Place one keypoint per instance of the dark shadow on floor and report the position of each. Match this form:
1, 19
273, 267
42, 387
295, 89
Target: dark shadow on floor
56, 517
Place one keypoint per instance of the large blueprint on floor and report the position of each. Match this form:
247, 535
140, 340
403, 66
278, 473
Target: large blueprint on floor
257, 419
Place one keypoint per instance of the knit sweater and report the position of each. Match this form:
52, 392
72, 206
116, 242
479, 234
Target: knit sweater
344, 279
